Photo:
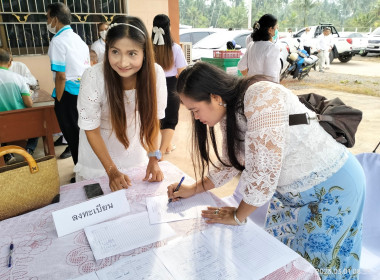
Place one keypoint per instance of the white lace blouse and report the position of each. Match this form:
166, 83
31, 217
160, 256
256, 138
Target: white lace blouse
94, 112
278, 156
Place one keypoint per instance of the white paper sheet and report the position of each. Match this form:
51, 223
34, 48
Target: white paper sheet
91, 212
192, 258
251, 247
124, 234
160, 211
88, 276
145, 266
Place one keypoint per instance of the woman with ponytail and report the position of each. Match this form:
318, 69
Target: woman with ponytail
262, 56
171, 58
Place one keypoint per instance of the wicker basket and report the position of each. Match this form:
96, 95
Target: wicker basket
27, 185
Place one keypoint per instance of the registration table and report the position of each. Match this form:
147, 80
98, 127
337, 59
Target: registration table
40, 254
39, 121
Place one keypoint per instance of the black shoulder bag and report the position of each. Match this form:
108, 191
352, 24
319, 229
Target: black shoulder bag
338, 119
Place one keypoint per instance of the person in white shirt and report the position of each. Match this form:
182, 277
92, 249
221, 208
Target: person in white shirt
324, 46
315, 187
262, 56
170, 57
120, 103
306, 40
290, 33
99, 46
69, 57
23, 70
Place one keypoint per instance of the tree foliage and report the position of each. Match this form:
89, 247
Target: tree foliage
295, 14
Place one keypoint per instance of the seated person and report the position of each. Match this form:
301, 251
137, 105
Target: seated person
20, 68
14, 94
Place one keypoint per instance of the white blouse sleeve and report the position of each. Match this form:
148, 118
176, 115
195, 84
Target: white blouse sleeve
161, 91
267, 125
89, 99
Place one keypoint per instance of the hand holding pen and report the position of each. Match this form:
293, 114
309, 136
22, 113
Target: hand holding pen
177, 188
175, 192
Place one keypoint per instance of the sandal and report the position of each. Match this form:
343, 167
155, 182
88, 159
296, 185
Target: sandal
173, 148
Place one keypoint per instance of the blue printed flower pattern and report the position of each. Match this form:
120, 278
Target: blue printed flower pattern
319, 242
346, 247
324, 240
333, 223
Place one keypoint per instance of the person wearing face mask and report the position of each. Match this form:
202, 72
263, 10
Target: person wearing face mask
99, 46
262, 56
69, 58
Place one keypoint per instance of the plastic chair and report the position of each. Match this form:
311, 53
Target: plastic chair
370, 256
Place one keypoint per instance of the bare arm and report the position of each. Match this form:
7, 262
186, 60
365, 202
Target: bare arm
28, 102
117, 180
153, 170
188, 191
179, 70
225, 215
60, 80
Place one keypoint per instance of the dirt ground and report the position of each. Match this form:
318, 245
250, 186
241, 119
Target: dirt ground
356, 83
361, 75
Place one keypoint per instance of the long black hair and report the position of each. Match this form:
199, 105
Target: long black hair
261, 27
163, 53
198, 82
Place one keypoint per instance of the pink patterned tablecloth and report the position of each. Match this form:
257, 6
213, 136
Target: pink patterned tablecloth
40, 254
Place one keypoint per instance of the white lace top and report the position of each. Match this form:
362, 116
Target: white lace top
278, 156
93, 110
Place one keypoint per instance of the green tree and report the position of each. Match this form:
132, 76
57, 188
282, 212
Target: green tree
235, 17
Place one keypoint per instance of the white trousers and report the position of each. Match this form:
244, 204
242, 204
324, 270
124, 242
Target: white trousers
322, 58
327, 58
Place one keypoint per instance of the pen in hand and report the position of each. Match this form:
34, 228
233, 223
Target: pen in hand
10, 255
177, 188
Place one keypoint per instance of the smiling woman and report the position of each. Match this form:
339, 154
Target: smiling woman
119, 106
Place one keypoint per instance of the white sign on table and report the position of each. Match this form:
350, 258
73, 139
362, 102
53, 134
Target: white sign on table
91, 212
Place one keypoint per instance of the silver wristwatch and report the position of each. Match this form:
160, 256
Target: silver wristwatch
237, 220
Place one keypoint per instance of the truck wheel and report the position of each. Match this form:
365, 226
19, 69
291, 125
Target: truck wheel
331, 55
363, 53
345, 58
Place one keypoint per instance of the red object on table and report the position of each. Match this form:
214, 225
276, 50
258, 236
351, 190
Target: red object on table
227, 54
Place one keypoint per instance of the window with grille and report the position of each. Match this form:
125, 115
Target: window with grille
23, 22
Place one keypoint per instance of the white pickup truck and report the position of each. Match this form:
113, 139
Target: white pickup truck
341, 50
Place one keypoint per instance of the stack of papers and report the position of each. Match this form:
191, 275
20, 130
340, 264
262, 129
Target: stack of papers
220, 252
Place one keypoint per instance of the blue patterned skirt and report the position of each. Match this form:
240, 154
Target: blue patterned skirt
324, 224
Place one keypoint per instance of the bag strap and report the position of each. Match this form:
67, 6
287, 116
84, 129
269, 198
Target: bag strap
304, 118
374, 151
18, 150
